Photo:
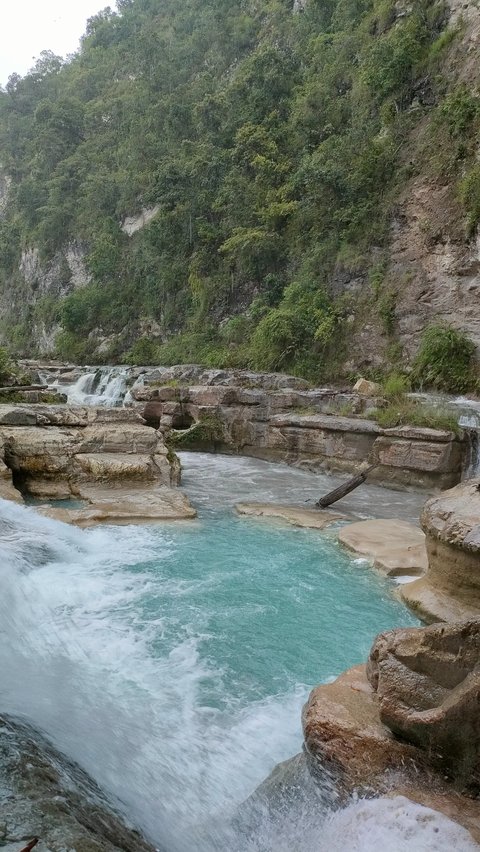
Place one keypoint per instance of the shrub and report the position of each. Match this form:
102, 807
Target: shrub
395, 386
470, 197
445, 360
407, 412
70, 347
144, 351
208, 430
6, 366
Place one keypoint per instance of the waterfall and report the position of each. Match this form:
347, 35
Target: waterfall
467, 413
123, 647
106, 386
470, 424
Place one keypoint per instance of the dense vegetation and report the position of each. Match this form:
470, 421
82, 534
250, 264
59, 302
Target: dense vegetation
269, 142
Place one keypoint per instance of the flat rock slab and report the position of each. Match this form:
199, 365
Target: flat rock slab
125, 506
396, 547
312, 518
432, 603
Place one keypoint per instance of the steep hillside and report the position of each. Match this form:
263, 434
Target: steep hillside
285, 186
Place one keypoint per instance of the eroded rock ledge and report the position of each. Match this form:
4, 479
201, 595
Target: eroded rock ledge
451, 587
408, 723
108, 458
323, 428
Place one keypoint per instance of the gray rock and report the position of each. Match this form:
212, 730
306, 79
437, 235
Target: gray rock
44, 795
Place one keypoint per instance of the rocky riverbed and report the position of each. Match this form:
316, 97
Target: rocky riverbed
407, 725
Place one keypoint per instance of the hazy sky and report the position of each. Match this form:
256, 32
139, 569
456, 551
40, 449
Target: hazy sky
29, 26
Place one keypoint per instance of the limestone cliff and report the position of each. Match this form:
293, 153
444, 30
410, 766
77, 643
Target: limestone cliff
354, 176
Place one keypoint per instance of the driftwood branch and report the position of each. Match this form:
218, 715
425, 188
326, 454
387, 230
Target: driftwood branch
344, 489
29, 846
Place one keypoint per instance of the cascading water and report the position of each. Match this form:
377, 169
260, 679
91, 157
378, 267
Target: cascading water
467, 412
172, 661
469, 420
106, 386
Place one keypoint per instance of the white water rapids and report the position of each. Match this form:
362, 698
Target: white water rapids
77, 642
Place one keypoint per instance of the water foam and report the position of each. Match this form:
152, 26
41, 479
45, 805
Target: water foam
139, 652
76, 661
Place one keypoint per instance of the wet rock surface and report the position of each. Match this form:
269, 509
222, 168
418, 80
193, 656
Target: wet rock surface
117, 505
293, 515
43, 795
406, 724
427, 684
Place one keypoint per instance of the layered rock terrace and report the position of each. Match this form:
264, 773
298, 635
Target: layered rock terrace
261, 416
108, 458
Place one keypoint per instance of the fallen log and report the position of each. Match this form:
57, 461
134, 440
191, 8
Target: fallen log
30, 846
344, 489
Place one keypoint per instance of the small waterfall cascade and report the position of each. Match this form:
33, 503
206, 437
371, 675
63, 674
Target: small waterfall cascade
470, 423
106, 386
101, 386
467, 412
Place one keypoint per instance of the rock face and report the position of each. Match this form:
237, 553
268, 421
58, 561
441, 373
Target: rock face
343, 731
407, 724
52, 450
451, 587
395, 547
299, 426
46, 796
428, 688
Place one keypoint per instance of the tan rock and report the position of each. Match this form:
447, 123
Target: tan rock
50, 457
343, 731
117, 438
428, 687
38, 451
298, 517
367, 388
419, 455
395, 547
125, 505
345, 736
115, 466
451, 586
7, 488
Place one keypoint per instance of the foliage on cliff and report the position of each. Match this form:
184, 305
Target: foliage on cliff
267, 143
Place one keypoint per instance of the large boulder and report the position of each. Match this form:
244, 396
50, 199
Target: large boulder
408, 724
451, 588
428, 687
344, 733
364, 386
62, 448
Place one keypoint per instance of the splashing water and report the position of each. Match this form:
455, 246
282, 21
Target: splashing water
171, 661
106, 386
